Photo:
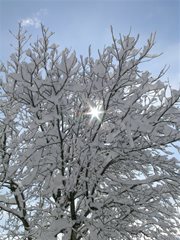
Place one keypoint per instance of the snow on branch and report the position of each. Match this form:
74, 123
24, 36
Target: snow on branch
85, 143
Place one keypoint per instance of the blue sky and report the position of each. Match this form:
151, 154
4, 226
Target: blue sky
79, 23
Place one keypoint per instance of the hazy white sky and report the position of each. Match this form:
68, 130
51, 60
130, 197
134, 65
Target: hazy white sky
79, 23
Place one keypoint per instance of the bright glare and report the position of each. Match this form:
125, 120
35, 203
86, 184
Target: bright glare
95, 112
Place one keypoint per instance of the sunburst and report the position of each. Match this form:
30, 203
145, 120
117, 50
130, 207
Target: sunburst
95, 112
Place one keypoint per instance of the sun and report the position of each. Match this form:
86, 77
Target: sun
95, 112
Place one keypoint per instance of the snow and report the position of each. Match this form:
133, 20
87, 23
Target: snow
85, 145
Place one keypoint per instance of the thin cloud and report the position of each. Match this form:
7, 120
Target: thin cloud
42, 12
31, 22
34, 21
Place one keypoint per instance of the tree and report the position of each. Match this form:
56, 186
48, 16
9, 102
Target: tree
86, 145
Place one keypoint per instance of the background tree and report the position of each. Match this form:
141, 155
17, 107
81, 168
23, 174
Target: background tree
85, 144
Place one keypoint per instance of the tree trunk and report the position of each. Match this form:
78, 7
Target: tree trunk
73, 235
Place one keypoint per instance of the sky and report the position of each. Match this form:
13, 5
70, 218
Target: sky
77, 24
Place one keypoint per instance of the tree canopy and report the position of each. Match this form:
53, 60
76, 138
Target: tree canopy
86, 144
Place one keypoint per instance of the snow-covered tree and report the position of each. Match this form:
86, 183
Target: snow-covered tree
86, 144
